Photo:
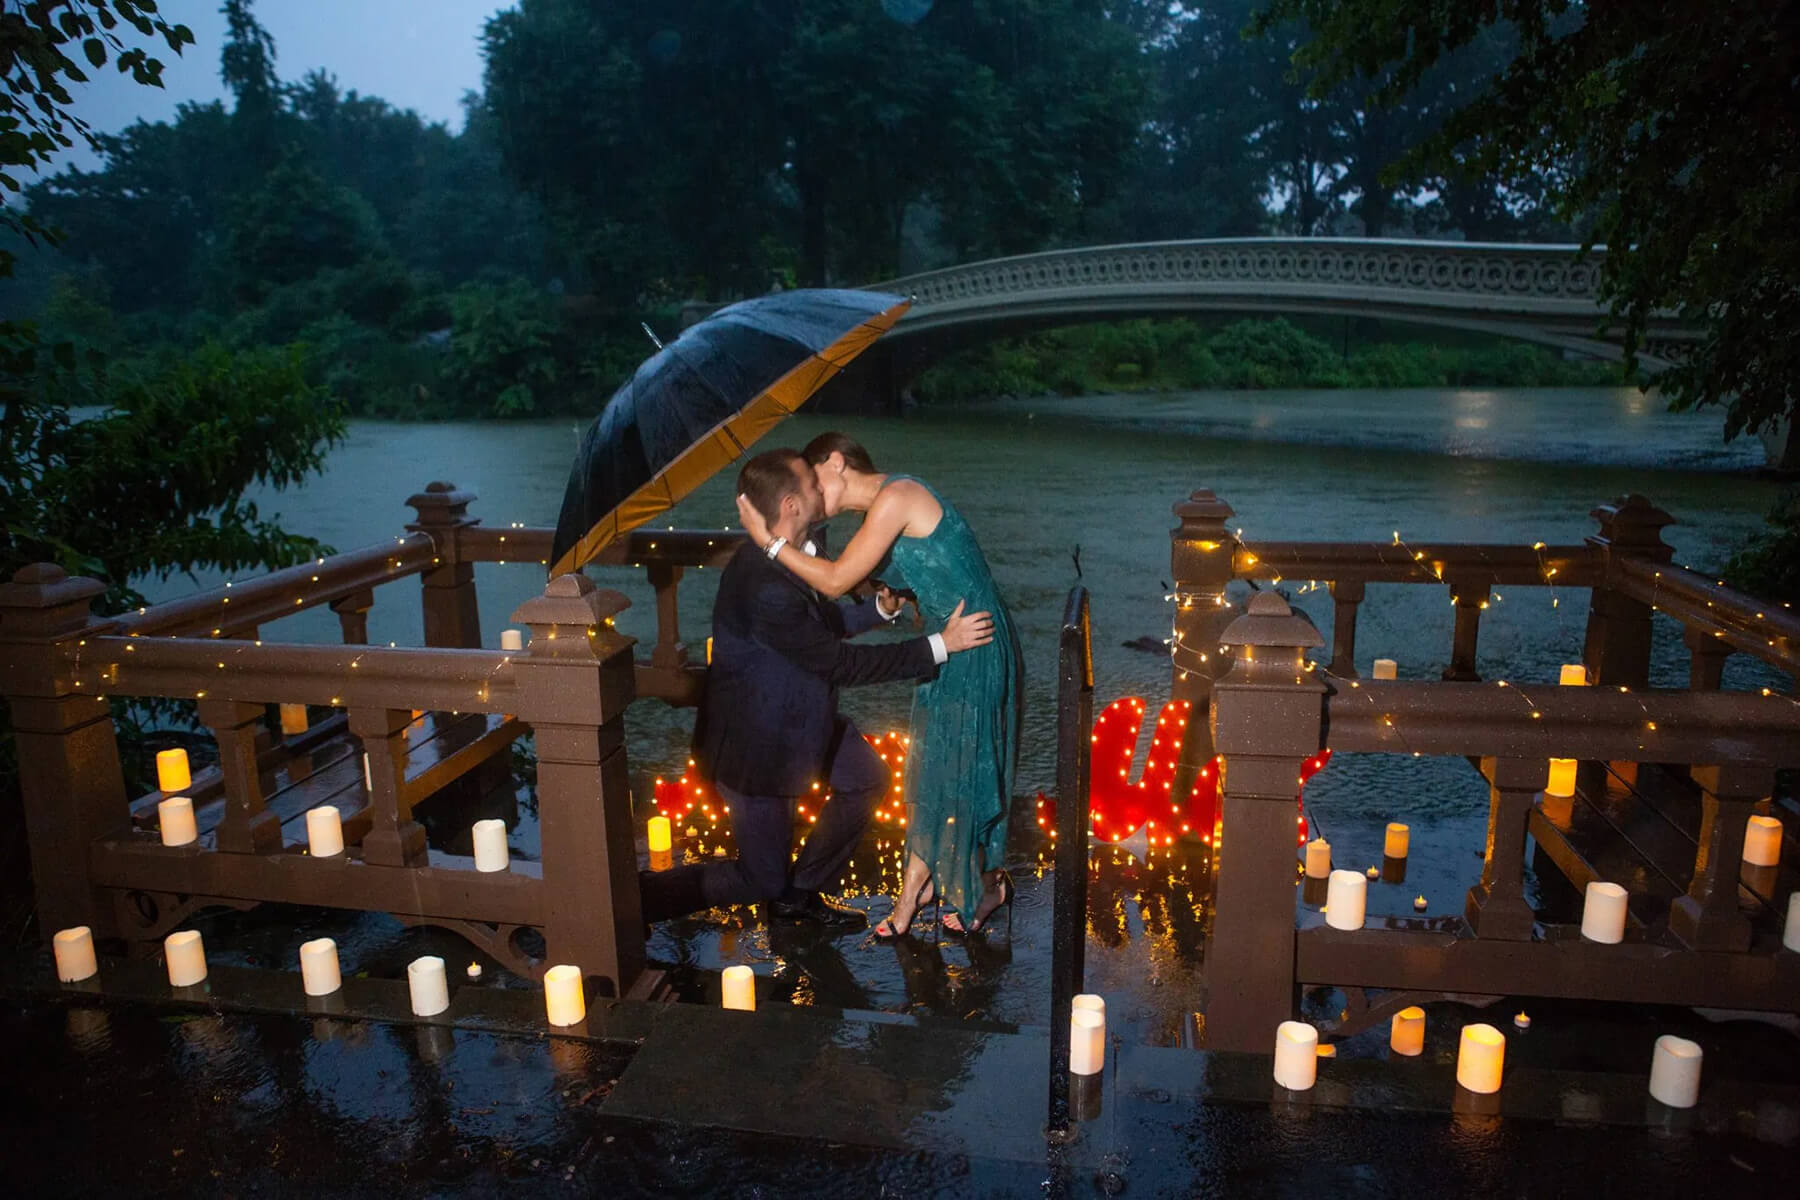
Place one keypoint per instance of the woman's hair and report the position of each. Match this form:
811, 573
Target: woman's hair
827, 444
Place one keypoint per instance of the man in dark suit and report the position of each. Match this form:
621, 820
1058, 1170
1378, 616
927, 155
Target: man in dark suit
769, 729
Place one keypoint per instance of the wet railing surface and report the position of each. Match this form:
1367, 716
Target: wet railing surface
1673, 774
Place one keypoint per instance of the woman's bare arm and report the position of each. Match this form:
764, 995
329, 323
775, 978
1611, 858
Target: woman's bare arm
896, 507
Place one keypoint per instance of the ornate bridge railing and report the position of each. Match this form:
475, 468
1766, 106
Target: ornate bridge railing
1546, 293
425, 719
1667, 779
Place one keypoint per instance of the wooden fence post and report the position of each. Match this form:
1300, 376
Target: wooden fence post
575, 683
1496, 906
452, 619
1707, 918
1268, 719
70, 779
1202, 557
1617, 646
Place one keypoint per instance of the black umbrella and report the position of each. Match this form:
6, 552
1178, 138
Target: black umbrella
701, 401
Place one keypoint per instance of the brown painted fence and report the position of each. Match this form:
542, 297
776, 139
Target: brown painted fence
1705, 760
429, 719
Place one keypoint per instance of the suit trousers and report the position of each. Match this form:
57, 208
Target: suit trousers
763, 827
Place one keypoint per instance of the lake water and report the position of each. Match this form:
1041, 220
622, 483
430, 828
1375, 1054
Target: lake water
1039, 479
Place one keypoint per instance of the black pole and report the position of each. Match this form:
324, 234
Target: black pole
1074, 718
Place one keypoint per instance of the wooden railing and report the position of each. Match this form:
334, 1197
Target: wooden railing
1709, 758
428, 719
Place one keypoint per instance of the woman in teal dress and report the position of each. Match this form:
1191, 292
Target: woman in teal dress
965, 723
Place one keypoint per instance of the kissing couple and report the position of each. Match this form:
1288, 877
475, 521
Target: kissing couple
768, 726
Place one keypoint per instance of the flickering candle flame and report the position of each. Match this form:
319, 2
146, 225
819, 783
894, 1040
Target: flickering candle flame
1386, 668
1603, 913
74, 949
473, 970
324, 831
293, 719
1398, 841
1345, 900
489, 837
1562, 777
564, 1003
185, 955
1481, 1058
1675, 1071
1406, 1033
737, 988
659, 834
512, 639
1087, 1041
172, 773
1521, 1021
1296, 1055
1762, 841
427, 986
319, 973
1419, 904
175, 819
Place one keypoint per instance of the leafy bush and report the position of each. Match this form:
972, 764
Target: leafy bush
503, 356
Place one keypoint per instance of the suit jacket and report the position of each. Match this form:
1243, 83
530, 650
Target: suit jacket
769, 708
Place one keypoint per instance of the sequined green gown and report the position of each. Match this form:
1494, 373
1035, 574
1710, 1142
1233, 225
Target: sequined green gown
965, 723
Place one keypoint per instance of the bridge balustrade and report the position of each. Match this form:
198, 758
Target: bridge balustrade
1705, 929
427, 721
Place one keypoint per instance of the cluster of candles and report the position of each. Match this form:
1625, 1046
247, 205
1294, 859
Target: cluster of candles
1347, 892
1480, 1056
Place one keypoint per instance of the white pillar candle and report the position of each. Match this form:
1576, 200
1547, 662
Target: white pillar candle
1573, 675
427, 985
563, 1001
1090, 1000
324, 831
1562, 777
185, 955
490, 845
709, 652
1406, 1033
1762, 842
1480, 1058
1296, 1055
1790, 934
175, 817
319, 973
172, 771
74, 949
293, 718
1675, 1071
659, 834
737, 988
1087, 1042
1318, 858
1386, 668
1344, 900
1398, 841
512, 639
1603, 913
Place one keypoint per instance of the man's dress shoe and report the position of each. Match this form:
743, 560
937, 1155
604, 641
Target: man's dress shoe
819, 909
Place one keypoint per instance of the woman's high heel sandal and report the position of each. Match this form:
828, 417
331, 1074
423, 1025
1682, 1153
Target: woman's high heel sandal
890, 930
996, 898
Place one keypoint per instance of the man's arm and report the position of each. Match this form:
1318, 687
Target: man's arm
781, 620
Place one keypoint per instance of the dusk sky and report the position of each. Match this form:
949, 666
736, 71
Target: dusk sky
418, 54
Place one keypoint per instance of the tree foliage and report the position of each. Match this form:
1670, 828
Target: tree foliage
1668, 130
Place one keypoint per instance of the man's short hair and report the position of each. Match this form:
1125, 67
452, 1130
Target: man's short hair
768, 479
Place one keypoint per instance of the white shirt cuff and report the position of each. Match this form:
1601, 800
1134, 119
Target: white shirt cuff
883, 613
938, 651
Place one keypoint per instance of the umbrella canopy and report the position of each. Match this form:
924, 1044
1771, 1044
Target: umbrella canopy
701, 401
